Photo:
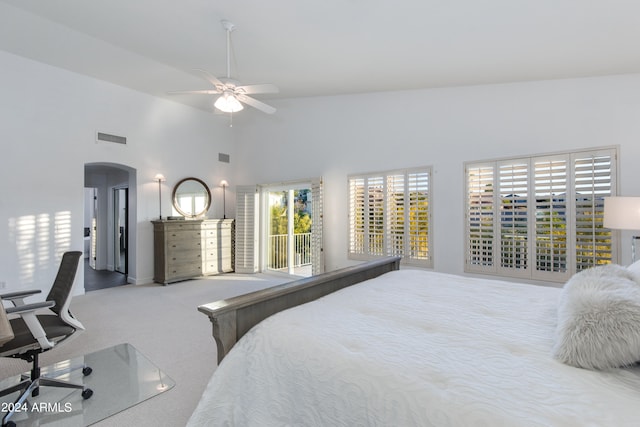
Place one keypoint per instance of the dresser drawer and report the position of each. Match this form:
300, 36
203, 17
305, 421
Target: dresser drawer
182, 226
180, 271
183, 245
217, 225
213, 233
220, 244
182, 257
174, 236
213, 265
217, 253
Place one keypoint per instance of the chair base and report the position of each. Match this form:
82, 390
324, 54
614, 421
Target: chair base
31, 387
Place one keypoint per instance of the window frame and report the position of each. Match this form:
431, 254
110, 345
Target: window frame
548, 256
391, 228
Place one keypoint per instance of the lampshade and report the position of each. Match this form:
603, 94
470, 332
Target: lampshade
622, 213
224, 183
228, 103
159, 177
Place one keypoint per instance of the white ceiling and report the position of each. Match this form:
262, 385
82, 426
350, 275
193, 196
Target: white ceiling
325, 47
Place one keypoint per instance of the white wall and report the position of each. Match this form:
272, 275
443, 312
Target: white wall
48, 121
49, 118
335, 136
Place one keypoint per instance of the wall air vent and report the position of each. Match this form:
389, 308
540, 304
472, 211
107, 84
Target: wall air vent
225, 158
106, 137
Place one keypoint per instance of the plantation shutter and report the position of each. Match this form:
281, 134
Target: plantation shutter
545, 213
514, 217
397, 208
246, 244
317, 249
551, 202
375, 223
594, 176
389, 215
356, 216
418, 216
480, 217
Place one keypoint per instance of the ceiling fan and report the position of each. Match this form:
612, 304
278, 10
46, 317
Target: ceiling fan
232, 93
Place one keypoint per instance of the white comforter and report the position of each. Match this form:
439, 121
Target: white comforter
415, 348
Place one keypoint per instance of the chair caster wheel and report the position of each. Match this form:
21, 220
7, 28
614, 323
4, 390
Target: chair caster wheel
87, 393
86, 371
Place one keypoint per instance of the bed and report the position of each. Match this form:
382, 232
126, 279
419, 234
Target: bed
383, 346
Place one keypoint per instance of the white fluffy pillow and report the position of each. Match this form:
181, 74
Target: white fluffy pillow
635, 268
599, 319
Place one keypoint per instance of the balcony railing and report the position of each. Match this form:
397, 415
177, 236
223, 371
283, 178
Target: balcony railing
278, 250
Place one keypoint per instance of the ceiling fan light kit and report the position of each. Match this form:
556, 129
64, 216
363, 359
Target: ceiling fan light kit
228, 103
232, 93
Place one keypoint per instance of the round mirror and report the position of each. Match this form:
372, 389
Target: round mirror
191, 197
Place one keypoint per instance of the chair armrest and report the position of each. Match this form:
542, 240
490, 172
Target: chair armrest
17, 298
29, 307
27, 312
19, 294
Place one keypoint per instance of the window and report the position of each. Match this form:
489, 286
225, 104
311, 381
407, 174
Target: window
539, 217
389, 215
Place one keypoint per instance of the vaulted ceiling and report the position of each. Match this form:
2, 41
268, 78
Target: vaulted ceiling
326, 47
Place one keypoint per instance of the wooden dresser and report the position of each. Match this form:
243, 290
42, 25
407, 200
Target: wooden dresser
192, 248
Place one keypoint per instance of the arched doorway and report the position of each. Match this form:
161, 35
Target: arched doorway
109, 225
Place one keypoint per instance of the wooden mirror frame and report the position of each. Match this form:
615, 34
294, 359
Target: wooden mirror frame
205, 191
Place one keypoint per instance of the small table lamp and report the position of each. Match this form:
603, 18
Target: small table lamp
160, 178
623, 213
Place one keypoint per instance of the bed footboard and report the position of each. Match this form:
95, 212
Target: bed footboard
233, 317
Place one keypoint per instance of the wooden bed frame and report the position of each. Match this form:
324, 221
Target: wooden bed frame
233, 317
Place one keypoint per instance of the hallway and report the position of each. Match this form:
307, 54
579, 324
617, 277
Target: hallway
101, 279
109, 223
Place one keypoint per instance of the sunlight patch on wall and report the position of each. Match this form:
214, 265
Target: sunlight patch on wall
42, 239
39, 240
62, 232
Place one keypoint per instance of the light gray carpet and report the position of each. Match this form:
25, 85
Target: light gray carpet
163, 323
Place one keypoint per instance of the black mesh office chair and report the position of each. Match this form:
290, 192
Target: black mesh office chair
37, 333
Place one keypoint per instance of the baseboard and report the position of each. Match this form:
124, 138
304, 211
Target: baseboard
143, 281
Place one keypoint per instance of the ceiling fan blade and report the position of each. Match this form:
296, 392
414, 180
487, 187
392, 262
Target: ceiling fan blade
256, 104
210, 77
261, 88
191, 92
